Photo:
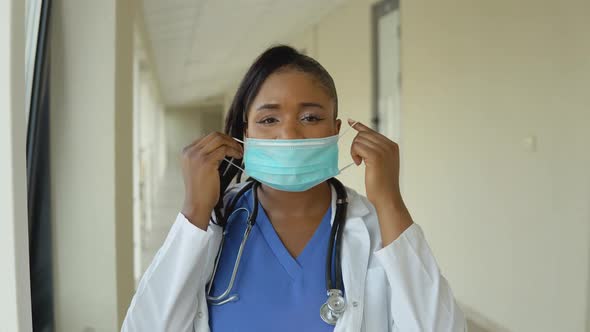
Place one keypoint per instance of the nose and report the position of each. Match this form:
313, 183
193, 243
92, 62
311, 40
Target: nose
291, 129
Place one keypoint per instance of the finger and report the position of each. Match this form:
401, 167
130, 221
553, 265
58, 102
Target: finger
190, 146
208, 138
370, 151
375, 137
355, 156
221, 152
358, 126
374, 144
200, 142
359, 152
381, 144
361, 128
224, 150
219, 140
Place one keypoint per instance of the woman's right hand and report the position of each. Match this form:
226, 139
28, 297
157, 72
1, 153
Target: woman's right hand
200, 163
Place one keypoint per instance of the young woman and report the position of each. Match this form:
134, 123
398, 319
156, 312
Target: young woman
291, 249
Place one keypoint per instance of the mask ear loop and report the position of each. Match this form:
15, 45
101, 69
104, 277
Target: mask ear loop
340, 136
347, 129
345, 167
230, 161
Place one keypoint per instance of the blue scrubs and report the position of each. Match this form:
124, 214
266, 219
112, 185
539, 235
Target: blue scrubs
276, 291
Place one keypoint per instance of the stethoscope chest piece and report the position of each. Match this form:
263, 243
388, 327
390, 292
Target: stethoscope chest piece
334, 307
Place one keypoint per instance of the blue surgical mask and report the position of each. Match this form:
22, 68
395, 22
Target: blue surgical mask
292, 164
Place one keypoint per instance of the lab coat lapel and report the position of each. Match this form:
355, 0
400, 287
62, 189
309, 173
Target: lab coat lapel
355, 260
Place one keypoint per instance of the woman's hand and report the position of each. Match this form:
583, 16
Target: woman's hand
200, 162
381, 157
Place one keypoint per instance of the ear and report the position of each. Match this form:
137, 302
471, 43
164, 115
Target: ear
338, 126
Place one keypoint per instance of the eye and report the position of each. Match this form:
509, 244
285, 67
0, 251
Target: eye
311, 118
267, 121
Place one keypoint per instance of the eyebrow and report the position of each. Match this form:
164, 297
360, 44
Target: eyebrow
308, 104
268, 107
277, 106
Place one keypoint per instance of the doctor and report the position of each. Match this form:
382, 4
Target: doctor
281, 245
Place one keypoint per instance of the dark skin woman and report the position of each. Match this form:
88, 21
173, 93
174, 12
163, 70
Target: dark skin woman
321, 256
290, 105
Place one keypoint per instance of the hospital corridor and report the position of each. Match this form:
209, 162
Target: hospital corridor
480, 110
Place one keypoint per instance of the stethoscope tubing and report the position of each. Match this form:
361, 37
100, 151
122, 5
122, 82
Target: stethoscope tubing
334, 247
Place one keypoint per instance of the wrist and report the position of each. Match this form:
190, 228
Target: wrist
196, 216
394, 218
390, 201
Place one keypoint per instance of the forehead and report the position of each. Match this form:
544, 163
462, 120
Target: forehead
287, 84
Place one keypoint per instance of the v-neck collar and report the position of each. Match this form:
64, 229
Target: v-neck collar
320, 235
291, 264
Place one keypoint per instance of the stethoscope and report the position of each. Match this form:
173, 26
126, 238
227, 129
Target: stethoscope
335, 305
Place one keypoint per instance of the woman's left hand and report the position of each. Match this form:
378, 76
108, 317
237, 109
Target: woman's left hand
381, 157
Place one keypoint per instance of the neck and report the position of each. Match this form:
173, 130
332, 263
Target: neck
312, 201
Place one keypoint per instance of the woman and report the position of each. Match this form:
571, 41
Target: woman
297, 270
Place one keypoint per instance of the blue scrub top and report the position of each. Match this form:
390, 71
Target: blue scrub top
276, 291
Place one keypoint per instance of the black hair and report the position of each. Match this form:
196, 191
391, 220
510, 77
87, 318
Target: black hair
276, 58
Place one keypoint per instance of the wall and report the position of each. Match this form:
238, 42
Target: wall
15, 303
149, 146
509, 224
91, 162
149, 142
185, 125
152, 133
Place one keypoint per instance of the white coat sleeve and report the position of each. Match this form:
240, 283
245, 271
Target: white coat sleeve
167, 295
421, 299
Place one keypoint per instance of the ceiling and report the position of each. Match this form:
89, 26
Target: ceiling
200, 48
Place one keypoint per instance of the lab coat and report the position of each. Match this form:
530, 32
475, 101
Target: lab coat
395, 288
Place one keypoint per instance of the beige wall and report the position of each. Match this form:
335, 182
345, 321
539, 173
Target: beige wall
15, 304
151, 128
91, 163
510, 226
184, 125
149, 145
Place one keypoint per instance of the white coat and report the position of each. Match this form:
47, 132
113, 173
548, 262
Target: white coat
396, 288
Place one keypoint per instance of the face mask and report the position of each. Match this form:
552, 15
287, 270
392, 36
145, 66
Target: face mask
292, 164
